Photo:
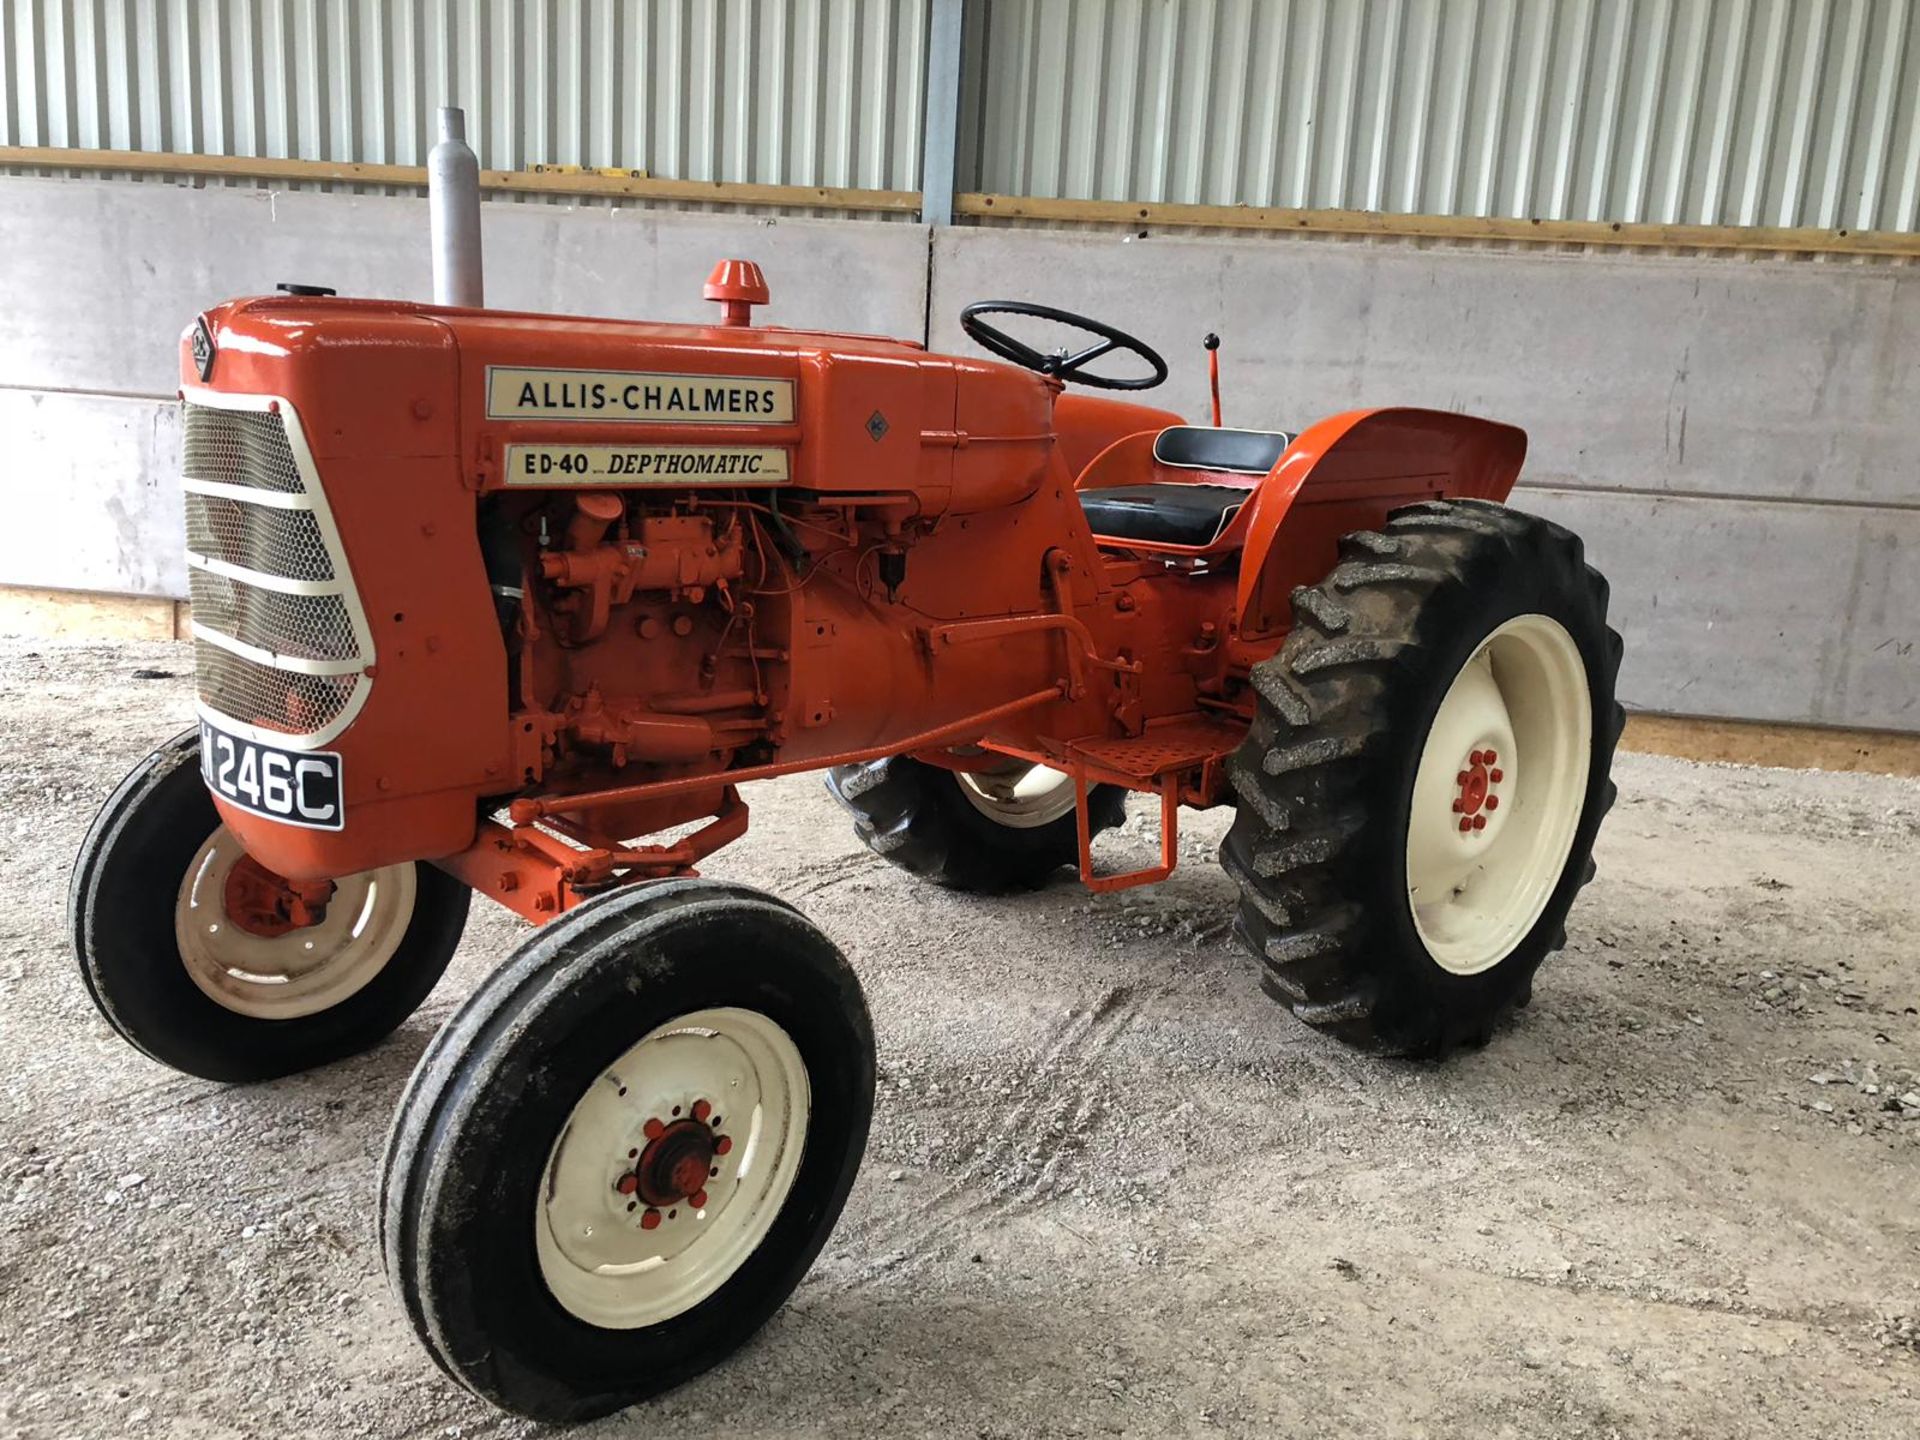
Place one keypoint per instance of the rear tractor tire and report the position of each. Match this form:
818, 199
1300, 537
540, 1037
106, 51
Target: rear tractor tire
1427, 769
1007, 828
624, 1151
168, 968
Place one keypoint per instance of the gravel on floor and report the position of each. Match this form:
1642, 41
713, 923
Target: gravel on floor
1112, 1189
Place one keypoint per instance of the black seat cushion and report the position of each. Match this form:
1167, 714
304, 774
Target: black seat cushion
1202, 447
1171, 513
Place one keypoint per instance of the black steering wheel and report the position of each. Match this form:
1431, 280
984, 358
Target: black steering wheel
1061, 364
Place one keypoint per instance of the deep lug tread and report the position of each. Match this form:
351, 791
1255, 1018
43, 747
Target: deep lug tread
1354, 576
913, 815
1322, 609
1322, 744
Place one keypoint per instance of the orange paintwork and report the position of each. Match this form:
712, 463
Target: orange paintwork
925, 578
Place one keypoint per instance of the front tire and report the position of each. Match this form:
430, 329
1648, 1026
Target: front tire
1426, 773
168, 970
622, 1154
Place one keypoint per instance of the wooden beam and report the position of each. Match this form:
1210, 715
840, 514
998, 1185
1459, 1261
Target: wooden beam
1790, 747
524, 182
1763, 238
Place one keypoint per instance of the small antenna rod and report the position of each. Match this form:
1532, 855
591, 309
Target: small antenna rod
1212, 342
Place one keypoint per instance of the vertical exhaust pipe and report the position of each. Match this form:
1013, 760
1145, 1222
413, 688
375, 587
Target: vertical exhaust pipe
453, 207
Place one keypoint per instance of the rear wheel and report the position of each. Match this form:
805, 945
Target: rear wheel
182, 958
1007, 827
622, 1154
1425, 776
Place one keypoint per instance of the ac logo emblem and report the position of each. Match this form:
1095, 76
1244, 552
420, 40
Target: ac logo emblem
202, 347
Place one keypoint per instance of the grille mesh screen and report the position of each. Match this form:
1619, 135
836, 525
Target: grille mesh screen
286, 543
250, 448
240, 447
314, 627
261, 695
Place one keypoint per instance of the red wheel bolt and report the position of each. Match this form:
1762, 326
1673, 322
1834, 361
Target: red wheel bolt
1465, 824
1495, 776
1479, 822
699, 1198
722, 1145
701, 1109
1458, 806
651, 1219
1491, 757
652, 1129
1493, 802
627, 1183
1462, 778
1474, 758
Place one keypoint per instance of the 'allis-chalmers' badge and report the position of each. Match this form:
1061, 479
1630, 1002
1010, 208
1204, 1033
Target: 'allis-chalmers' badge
202, 346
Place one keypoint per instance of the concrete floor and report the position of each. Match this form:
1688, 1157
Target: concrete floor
1112, 1189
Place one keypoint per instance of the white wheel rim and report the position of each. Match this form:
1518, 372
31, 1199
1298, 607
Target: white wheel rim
740, 1077
304, 971
1018, 795
1499, 793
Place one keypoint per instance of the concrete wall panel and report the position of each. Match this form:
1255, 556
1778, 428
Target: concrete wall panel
100, 277
1691, 376
90, 490
1739, 442
1757, 611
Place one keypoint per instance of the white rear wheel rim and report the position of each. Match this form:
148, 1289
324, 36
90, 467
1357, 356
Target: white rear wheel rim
1018, 795
1499, 794
608, 1255
304, 971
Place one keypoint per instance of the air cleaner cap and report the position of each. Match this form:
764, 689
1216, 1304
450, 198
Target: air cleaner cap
738, 286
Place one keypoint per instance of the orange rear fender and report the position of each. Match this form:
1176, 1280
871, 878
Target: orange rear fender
1344, 474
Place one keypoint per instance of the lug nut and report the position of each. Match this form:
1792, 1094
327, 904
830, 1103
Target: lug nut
701, 1109
1458, 806
1493, 802
722, 1145
627, 1183
1495, 776
1462, 778
651, 1219
1479, 822
1491, 757
699, 1198
1474, 758
1465, 824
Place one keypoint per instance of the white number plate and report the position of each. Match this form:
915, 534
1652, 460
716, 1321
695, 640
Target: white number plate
298, 787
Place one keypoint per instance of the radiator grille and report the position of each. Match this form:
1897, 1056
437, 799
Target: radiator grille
312, 627
240, 447
284, 543
280, 601
263, 695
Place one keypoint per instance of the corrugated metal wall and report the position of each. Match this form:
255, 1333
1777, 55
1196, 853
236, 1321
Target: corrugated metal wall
1748, 112
805, 92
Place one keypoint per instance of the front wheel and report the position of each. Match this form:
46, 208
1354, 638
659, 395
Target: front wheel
1427, 770
622, 1154
168, 931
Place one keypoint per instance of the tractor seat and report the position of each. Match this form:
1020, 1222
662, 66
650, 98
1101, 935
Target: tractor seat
1206, 447
1172, 513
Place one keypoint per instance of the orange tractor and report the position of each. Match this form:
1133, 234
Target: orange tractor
518, 603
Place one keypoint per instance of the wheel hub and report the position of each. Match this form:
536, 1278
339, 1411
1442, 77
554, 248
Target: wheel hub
674, 1165
261, 903
1478, 786
1486, 845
